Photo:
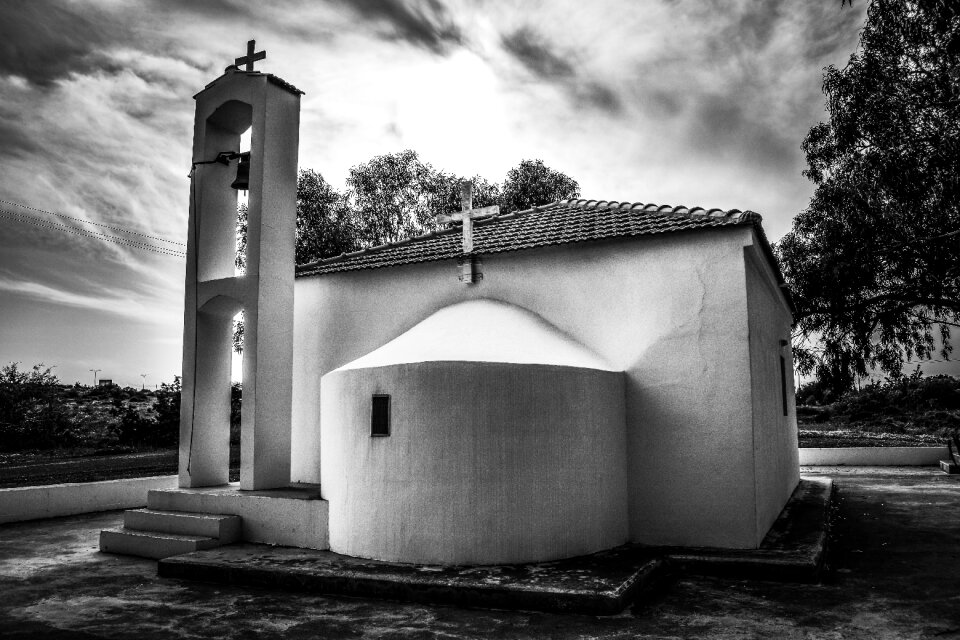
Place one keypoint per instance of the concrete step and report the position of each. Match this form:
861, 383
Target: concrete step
152, 544
224, 528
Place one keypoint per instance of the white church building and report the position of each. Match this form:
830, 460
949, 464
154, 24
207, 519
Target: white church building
543, 384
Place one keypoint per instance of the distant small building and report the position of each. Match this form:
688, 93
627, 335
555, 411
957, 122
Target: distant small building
105, 382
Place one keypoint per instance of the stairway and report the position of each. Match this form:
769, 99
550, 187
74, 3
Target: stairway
154, 533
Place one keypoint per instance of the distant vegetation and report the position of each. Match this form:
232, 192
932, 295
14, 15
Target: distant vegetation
37, 412
903, 410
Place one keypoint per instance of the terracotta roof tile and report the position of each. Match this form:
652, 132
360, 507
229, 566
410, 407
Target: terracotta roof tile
564, 222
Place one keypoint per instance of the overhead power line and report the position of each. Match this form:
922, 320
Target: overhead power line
136, 244
96, 224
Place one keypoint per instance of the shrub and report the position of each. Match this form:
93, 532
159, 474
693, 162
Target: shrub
31, 414
901, 404
167, 408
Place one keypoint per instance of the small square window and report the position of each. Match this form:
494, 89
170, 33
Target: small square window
380, 415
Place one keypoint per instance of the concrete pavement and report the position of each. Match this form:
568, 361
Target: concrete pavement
893, 573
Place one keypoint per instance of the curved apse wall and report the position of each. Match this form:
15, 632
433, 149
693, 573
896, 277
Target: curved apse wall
492, 457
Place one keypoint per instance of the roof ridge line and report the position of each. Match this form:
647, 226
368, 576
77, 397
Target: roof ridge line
663, 209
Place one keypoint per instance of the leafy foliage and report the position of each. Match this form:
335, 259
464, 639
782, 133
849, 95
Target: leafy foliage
167, 410
37, 412
326, 226
532, 183
874, 260
485, 193
395, 196
30, 412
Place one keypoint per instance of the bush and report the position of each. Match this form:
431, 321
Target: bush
902, 404
31, 414
167, 408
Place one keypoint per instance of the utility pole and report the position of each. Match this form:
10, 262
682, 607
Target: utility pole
95, 372
144, 376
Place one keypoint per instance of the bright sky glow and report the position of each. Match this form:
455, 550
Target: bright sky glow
673, 102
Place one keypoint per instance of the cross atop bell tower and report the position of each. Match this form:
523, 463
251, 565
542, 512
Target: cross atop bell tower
251, 57
227, 107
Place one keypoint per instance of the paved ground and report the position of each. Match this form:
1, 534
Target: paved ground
894, 574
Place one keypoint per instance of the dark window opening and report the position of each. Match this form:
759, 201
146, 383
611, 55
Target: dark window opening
783, 382
380, 416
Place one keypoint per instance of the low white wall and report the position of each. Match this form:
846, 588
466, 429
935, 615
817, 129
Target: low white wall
49, 501
873, 456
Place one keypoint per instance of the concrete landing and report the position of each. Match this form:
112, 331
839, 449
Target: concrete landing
599, 584
294, 516
792, 551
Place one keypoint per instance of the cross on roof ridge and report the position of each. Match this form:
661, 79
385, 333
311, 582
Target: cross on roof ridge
251, 57
467, 213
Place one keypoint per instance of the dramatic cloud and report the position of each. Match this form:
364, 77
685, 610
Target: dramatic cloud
679, 102
43, 40
426, 23
122, 306
552, 64
533, 51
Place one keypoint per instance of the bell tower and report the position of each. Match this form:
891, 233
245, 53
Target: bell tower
226, 108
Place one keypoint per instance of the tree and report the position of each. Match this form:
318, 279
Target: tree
532, 183
395, 196
873, 260
326, 226
485, 193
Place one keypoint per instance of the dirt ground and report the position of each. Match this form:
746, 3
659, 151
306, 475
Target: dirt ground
893, 573
53, 467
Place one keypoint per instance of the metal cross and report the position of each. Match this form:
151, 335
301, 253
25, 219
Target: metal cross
251, 57
467, 214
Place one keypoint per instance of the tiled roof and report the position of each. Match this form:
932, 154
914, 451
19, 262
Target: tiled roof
277, 80
564, 222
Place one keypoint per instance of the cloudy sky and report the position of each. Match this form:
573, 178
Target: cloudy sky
668, 101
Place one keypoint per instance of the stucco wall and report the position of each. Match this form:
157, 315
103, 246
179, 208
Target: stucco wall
668, 310
774, 434
55, 500
486, 463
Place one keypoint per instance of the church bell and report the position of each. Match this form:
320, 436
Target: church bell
242, 183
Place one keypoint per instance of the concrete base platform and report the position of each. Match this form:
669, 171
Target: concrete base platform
294, 517
599, 584
949, 466
792, 551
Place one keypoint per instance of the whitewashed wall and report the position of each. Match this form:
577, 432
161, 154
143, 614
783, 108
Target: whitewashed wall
774, 434
671, 311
